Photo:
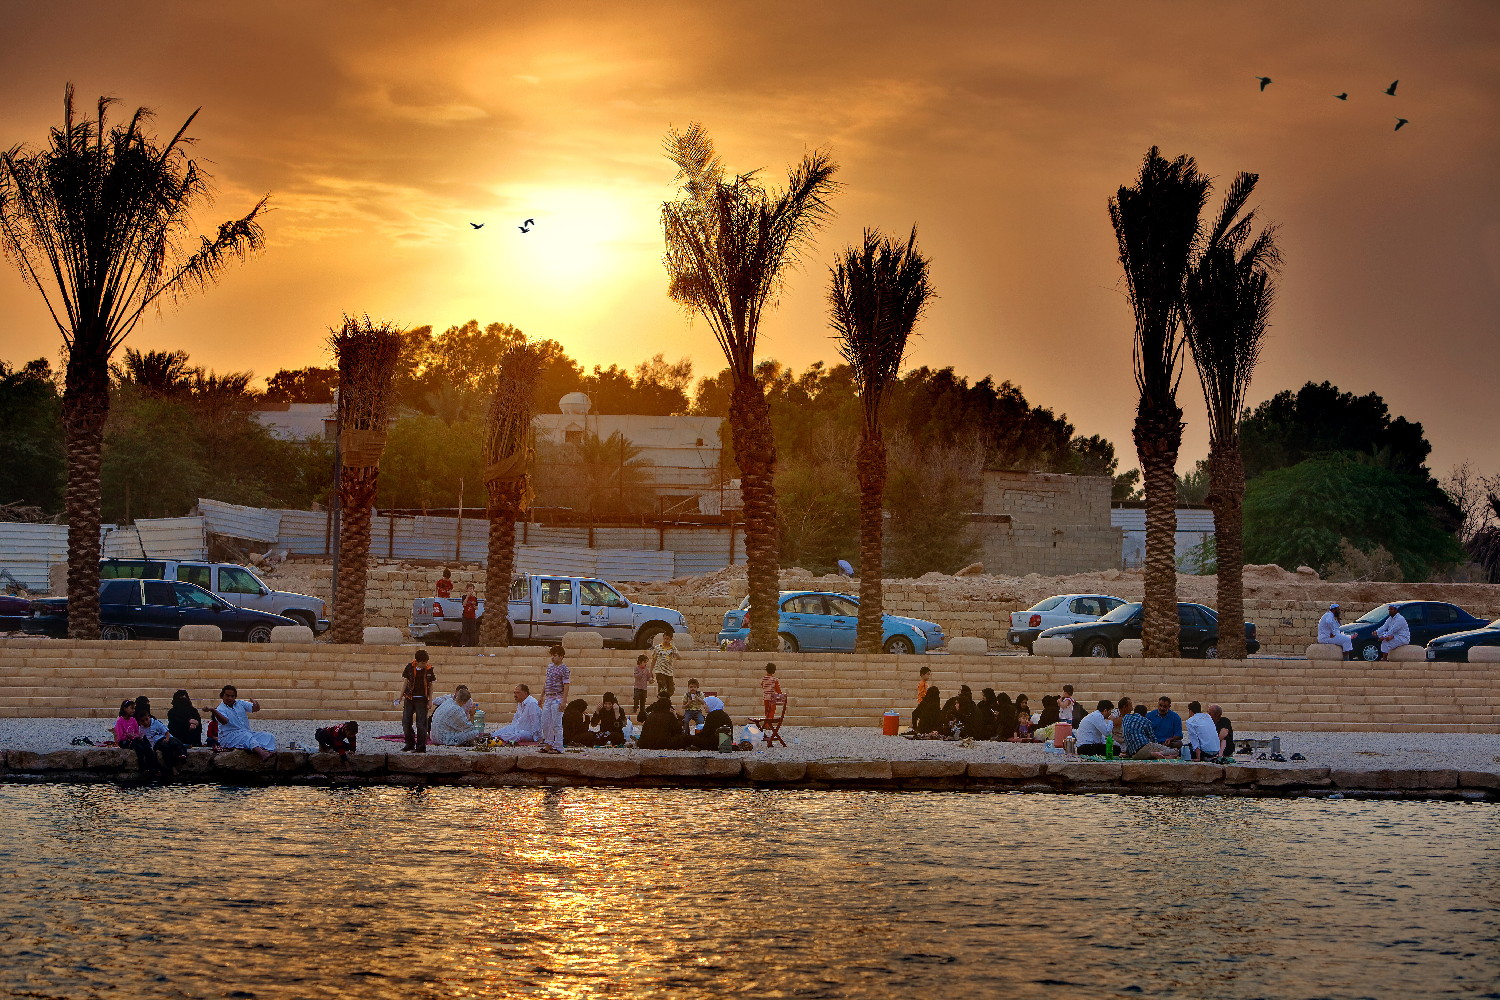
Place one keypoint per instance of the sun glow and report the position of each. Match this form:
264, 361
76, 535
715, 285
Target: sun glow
585, 241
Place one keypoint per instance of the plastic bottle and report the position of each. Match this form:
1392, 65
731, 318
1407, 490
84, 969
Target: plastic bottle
1187, 751
479, 719
1109, 746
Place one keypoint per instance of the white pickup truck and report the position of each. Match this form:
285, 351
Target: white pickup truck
542, 608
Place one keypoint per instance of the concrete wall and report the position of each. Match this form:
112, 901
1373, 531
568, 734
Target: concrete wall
1039, 522
63, 678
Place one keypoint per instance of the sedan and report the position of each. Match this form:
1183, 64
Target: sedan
814, 620
14, 612
157, 609
1428, 620
1064, 609
1456, 645
1198, 633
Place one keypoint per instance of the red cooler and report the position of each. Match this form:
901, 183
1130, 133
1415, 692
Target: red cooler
890, 723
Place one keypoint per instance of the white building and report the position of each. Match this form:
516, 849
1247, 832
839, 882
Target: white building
1195, 526
299, 421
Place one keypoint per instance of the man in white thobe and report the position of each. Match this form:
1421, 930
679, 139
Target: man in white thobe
1329, 634
453, 720
1393, 632
527, 724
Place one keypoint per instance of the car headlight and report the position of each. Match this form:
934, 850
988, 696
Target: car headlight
1446, 645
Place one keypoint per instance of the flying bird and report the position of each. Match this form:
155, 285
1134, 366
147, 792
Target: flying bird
1341, 97
477, 225
1263, 81
1392, 88
525, 227
1399, 123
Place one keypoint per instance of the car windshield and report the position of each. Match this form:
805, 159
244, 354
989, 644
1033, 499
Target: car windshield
1494, 624
1123, 613
1047, 605
1376, 616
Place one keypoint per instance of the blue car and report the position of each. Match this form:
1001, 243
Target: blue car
157, 609
1428, 620
1456, 645
814, 620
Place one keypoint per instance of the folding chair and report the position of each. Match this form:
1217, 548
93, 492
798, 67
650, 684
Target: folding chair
770, 728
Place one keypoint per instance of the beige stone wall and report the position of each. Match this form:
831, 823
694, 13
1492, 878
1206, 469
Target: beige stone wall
1056, 524
64, 678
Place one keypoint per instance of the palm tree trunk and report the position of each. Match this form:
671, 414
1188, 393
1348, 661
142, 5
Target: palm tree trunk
505, 507
85, 406
1226, 477
357, 488
870, 466
1158, 436
755, 453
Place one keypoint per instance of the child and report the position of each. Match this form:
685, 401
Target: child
125, 726
922, 676
642, 681
693, 707
1065, 705
770, 691
663, 658
610, 718
338, 739
1023, 721
469, 624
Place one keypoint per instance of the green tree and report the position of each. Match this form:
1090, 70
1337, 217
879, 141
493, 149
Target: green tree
97, 221
31, 448
302, 385
1319, 419
426, 460
930, 494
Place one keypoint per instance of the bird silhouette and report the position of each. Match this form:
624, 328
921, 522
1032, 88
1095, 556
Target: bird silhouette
477, 225
1392, 88
1341, 97
1399, 123
525, 227
1263, 81
529, 222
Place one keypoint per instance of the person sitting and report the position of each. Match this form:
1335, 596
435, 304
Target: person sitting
340, 739
1049, 711
125, 728
157, 739
1025, 728
1166, 725
1201, 733
1329, 634
526, 725
952, 726
575, 722
1135, 729
694, 710
1096, 730
1005, 717
610, 719
233, 716
184, 722
1393, 632
717, 732
927, 717
1225, 729
662, 729
453, 720
984, 718
966, 707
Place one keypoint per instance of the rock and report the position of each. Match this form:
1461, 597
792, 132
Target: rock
581, 640
1392, 779
682, 640
849, 770
200, 633
109, 760
356, 763
1484, 654
244, 761
968, 645
1085, 773
767, 771
30, 761
1292, 777
574, 765
1235, 774
727, 766
291, 761
999, 770
1308, 574
1478, 779
383, 635
928, 768
1324, 651
494, 763
200, 760
427, 763
1140, 772
291, 633
1052, 646
1407, 654
973, 569
1130, 649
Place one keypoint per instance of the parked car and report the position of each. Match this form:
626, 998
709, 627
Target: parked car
1428, 620
1198, 633
1064, 609
14, 612
235, 584
1456, 645
817, 620
156, 609
542, 608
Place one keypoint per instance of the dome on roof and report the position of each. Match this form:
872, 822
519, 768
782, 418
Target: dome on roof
574, 402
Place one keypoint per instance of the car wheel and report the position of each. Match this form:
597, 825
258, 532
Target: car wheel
114, 632
260, 633
900, 645
788, 643
646, 637
1098, 648
1369, 652
1211, 651
301, 618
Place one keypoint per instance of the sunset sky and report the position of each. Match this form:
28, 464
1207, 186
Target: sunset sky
381, 130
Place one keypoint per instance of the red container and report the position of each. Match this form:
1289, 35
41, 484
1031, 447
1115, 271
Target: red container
890, 723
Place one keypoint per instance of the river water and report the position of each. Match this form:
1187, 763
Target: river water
208, 891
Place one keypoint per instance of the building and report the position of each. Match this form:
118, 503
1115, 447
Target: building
1195, 528
299, 421
1047, 523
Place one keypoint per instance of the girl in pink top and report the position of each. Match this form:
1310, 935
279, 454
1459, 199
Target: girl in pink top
770, 691
125, 726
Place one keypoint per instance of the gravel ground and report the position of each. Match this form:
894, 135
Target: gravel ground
1461, 751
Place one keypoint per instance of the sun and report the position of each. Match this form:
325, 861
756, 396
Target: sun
584, 242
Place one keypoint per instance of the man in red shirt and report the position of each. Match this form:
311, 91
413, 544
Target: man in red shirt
445, 584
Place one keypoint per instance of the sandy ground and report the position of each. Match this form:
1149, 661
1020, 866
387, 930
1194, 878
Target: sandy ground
1351, 751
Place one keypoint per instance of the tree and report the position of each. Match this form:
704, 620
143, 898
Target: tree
367, 353
1319, 420
879, 292
508, 456
1156, 226
96, 222
608, 475
302, 385
728, 245
31, 449
1484, 545
156, 373
1227, 305
931, 492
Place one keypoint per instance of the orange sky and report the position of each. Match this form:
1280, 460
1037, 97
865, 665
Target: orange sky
382, 129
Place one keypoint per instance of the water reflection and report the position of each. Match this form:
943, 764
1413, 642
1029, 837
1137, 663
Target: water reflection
368, 893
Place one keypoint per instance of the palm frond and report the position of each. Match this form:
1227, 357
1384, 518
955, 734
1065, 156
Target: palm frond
367, 353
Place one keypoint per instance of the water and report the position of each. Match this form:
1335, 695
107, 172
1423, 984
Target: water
205, 891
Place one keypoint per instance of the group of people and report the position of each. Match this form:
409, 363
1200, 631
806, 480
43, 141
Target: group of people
1129, 729
161, 746
1394, 631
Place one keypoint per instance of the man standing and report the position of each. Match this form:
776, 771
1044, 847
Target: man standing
453, 721
469, 625
664, 655
1393, 632
1329, 634
1201, 733
1095, 729
526, 726
554, 697
1166, 725
416, 695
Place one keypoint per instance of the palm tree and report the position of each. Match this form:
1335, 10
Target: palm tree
612, 475
508, 456
368, 354
1156, 225
156, 373
729, 243
97, 221
879, 292
1227, 303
